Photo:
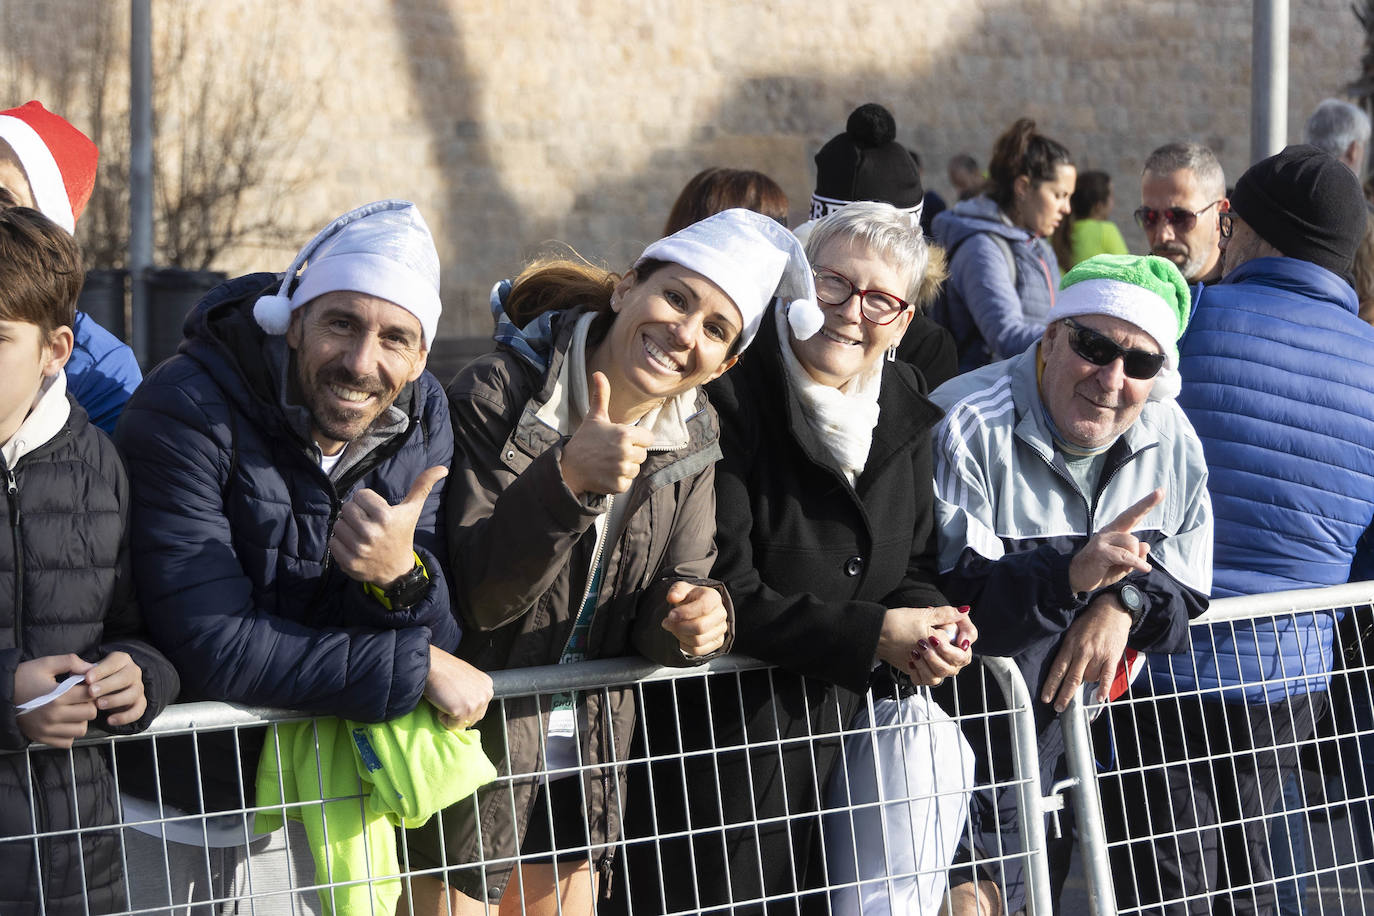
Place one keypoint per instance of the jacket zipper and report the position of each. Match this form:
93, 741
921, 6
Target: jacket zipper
45, 851
16, 532
355, 473
604, 866
591, 574
335, 507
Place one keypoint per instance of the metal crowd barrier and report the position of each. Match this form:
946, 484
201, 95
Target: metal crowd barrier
870, 845
1198, 801
887, 832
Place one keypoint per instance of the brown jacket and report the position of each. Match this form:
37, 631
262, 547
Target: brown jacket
520, 547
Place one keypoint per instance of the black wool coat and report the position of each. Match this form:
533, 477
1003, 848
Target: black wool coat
812, 564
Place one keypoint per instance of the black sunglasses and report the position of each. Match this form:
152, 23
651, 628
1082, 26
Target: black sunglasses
1101, 350
1181, 218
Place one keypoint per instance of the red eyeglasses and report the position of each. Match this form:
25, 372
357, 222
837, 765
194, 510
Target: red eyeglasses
876, 306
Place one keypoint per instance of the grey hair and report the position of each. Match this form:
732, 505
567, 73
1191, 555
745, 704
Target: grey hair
881, 228
1182, 155
1335, 125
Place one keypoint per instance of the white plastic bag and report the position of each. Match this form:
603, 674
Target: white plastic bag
920, 779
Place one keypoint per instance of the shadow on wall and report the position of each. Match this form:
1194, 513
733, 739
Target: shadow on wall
1111, 87
477, 217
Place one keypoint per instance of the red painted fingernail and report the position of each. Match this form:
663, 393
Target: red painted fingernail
911, 665
921, 646
934, 641
964, 645
964, 609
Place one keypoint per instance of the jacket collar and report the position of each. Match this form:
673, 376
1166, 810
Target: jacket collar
253, 369
534, 433
904, 414
569, 398
50, 413
1301, 278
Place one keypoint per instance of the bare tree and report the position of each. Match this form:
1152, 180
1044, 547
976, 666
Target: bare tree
227, 129
227, 123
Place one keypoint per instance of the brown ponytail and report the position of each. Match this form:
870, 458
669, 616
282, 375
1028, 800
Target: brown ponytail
551, 284
1022, 151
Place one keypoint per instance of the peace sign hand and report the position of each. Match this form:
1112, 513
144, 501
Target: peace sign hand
1114, 551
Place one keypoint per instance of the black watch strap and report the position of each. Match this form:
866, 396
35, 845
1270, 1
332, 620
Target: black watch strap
1133, 600
410, 588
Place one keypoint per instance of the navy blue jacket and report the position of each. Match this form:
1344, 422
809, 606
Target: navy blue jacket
231, 522
1278, 380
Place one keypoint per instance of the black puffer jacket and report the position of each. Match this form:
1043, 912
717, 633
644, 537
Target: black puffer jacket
65, 512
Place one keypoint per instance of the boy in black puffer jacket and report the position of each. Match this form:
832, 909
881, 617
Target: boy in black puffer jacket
65, 603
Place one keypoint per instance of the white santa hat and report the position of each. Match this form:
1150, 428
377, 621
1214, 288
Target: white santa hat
383, 249
753, 259
58, 160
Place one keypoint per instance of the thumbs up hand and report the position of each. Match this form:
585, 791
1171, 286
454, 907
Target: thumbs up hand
603, 457
1114, 551
374, 541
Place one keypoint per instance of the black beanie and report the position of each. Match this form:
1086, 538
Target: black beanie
1306, 204
866, 163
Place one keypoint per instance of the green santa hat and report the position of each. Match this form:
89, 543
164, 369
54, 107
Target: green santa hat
1145, 290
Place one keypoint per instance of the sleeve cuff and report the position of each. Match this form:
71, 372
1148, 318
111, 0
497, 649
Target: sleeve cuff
379, 595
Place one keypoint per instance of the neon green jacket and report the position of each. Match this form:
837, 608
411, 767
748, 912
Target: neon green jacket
376, 776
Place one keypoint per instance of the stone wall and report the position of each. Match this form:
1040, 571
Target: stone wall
573, 120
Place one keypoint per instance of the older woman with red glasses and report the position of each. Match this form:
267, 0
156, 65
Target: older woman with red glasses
826, 539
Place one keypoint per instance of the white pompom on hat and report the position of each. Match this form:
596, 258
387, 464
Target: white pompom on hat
382, 249
753, 259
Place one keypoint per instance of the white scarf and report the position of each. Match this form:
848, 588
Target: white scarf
842, 420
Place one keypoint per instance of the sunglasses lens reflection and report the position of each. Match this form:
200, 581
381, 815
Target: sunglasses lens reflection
1101, 350
1182, 220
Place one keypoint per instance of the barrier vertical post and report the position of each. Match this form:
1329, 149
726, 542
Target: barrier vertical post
1087, 807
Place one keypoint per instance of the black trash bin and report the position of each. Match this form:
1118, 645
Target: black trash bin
172, 292
102, 297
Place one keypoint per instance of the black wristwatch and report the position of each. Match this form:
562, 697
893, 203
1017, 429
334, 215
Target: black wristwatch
409, 589
1133, 601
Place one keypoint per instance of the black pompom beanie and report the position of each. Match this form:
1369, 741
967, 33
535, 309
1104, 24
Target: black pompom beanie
866, 163
1305, 203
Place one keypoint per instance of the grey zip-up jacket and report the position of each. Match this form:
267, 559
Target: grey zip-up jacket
1011, 517
520, 554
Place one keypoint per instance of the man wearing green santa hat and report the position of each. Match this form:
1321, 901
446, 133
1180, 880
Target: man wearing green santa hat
1071, 500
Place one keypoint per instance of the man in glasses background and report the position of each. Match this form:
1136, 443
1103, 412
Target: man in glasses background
1277, 370
1073, 516
1182, 194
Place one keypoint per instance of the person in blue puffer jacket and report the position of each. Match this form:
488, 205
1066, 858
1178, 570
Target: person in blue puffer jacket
286, 468
1002, 273
1276, 370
